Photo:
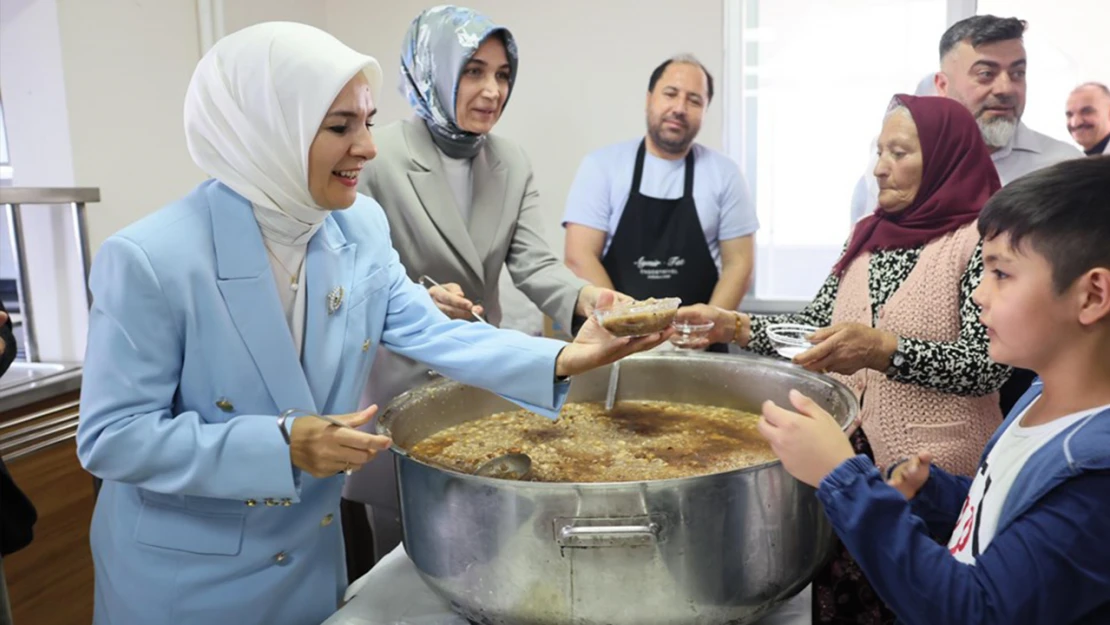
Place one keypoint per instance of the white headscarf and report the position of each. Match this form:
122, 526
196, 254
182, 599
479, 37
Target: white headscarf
253, 108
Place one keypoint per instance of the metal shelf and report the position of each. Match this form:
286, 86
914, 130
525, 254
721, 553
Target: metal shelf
16, 200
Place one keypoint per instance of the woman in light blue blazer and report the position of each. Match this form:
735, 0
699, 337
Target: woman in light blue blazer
267, 288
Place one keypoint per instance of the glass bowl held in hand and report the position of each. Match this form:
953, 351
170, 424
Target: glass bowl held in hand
689, 335
640, 318
790, 339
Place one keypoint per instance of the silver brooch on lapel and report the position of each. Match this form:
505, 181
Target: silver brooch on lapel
335, 299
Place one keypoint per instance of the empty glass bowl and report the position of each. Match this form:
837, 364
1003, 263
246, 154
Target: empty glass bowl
688, 334
790, 339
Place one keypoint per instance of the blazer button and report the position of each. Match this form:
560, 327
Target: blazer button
251, 503
366, 345
281, 557
286, 502
224, 404
326, 521
270, 503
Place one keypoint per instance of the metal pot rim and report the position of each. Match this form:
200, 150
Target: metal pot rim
674, 481
392, 410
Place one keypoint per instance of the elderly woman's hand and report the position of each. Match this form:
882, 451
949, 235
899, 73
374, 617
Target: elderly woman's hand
322, 449
848, 347
726, 325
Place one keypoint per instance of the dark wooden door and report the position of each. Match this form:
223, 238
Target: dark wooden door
50, 582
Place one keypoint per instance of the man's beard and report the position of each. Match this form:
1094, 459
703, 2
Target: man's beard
671, 145
997, 132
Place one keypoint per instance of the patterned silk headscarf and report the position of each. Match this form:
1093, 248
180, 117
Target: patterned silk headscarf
438, 45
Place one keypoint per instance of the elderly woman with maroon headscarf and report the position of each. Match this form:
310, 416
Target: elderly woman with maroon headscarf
896, 318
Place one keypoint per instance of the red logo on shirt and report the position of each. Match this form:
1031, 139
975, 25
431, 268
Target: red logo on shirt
964, 526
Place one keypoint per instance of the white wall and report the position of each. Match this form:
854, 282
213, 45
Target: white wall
127, 65
242, 13
94, 90
583, 75
582, 81
584, 70
37, 120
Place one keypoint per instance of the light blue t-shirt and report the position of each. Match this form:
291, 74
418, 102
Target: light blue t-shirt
601, 188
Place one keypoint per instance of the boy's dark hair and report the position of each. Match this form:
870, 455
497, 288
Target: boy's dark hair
1062, 212
979, 30
657, 73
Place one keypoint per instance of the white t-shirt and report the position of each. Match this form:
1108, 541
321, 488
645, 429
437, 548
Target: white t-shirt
978, 520
604, 182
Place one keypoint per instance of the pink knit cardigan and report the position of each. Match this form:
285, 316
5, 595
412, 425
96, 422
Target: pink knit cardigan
901, 419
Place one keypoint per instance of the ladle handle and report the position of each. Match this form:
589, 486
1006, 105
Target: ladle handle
614, 381
426, 279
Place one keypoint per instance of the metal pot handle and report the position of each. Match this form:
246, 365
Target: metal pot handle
585, 533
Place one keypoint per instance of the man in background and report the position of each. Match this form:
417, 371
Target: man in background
663, 216
982, 66
1088, 115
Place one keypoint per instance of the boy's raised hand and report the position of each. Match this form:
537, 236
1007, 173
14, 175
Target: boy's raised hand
809, 442
909, 476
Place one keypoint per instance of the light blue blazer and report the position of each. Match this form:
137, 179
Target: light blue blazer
202, 519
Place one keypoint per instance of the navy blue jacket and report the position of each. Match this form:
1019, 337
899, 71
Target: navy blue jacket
1048, 563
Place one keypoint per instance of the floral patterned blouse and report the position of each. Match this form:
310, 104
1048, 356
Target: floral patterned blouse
960, 367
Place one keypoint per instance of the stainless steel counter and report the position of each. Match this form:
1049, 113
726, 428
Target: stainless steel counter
29, 382
393, 592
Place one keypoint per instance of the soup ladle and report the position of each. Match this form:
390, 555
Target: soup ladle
510, 466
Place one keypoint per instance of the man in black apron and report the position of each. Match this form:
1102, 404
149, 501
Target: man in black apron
696, 245
659, 248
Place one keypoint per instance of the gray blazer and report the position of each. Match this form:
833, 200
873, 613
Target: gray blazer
429, 233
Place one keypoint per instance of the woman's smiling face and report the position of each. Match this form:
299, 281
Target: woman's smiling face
342, 146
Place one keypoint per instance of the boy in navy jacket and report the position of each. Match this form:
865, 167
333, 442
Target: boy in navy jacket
1028, 534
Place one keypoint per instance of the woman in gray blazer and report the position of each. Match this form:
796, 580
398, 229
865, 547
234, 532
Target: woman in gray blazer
461, 205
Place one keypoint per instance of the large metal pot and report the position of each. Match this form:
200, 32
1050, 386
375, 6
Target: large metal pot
717, 549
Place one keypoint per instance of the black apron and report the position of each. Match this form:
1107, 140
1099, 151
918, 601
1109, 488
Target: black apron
659, 248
